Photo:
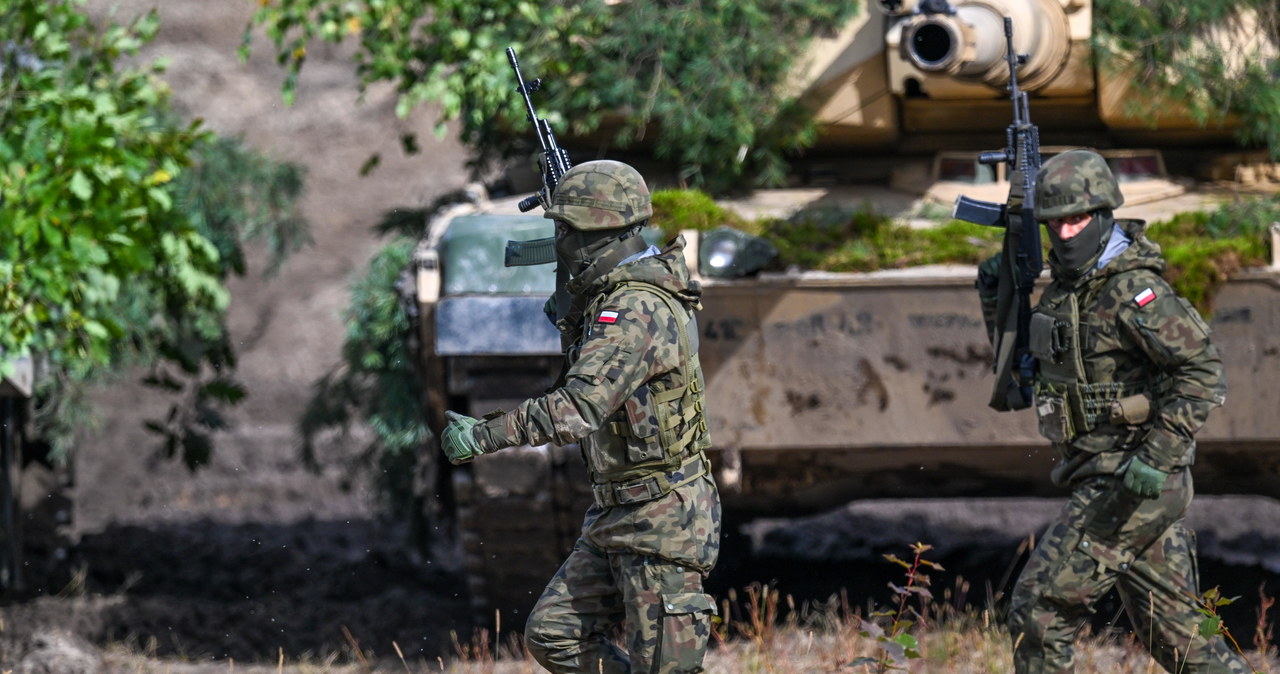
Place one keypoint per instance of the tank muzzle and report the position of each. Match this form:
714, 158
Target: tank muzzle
934, 44
967, 41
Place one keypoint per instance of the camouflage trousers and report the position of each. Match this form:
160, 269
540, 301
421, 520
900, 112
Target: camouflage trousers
1106, 538
635, 575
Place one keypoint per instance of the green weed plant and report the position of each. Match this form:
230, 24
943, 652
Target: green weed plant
1203, 248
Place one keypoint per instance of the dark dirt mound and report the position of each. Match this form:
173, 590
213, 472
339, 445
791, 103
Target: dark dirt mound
247, 592
256, 554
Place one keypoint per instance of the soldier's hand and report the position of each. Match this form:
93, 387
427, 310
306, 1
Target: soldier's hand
1142, 479
459, 438
988, 283
549, 308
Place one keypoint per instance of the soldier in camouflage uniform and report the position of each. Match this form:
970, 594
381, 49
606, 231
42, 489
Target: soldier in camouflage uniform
1126, 376
632, 397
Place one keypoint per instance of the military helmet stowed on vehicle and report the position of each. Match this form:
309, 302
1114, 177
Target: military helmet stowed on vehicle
1075, 182
601, 195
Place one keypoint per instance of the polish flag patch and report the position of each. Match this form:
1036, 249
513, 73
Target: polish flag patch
607, 317
1144, 298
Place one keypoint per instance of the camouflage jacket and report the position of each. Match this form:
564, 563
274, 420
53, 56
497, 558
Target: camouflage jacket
626, 349
1134, 331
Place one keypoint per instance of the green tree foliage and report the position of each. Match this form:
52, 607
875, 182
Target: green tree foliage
232, 196
1218, 58
700, 81
113, 247
87, 178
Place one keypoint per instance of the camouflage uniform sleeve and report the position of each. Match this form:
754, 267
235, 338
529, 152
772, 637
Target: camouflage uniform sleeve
631, 340
1171, 333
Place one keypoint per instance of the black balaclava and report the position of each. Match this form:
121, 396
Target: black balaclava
598, 250
1077, 256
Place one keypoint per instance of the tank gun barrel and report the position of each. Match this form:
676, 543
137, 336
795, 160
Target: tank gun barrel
965, 39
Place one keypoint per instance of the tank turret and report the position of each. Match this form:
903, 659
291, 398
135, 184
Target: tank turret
964, 42
926, 76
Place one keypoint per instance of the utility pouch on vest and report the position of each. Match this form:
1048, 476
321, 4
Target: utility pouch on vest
1053, 416
1131, 410
1040, 337
640, 421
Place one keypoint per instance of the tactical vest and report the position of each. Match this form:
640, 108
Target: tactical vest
655, 441
1068, 403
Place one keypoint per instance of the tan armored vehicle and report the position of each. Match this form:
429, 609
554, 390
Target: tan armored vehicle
823, 387
915, 89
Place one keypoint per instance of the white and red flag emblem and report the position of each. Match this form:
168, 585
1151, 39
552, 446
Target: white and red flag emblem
1144, 298
607, 317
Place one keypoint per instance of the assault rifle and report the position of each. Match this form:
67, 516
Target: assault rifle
1022, 257
554, 161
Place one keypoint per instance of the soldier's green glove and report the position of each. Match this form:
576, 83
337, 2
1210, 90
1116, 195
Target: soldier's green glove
988, 283
549, 308
1142, 479
459, 439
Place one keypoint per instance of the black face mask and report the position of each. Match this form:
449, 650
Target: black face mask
577, 250
1077, 256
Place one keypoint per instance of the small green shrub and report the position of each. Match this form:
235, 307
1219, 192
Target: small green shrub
1204, 249
676, 210
832, 237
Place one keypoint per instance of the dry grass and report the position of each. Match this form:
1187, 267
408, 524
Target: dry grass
962, 649
762, 633
830, 637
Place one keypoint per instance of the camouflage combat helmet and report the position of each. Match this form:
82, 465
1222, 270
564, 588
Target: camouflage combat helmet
599, 195
1075, 182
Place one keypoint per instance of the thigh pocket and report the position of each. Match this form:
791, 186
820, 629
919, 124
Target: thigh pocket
686, 626
1108, 556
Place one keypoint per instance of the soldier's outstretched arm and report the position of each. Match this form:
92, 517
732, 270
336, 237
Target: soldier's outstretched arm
631, 341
